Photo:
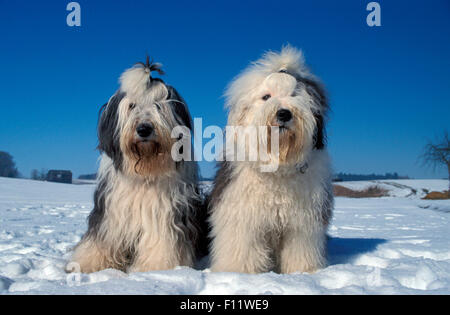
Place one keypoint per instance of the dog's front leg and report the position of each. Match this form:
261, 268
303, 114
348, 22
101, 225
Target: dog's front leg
161, 254
302, 250
240, 247
90, 257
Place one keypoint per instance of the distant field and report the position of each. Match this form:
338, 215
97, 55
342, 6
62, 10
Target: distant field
390, 188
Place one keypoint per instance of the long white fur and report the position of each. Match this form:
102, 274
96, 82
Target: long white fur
140, 214
273, 221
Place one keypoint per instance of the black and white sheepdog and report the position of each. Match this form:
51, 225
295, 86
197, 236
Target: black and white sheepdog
275, 220
146, 203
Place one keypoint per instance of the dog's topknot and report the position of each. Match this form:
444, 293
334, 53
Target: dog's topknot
139, 78
289, 60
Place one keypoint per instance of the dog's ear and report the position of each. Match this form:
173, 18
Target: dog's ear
319, 134
179, 107
109, 141
317, 92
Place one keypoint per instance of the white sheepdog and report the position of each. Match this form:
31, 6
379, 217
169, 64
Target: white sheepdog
262, 221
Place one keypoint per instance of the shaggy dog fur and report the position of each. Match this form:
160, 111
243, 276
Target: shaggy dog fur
146, 205
278, 220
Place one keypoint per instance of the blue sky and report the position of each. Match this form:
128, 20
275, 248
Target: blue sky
388, 85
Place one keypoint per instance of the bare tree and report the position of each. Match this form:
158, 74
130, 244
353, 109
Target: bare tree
438, 154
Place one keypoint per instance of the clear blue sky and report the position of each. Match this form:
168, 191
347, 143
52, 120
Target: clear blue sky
389, 86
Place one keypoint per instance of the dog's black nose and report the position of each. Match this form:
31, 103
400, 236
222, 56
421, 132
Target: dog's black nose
144, 130
284, 115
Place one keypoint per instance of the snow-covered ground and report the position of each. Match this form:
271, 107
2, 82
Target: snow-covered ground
391, 245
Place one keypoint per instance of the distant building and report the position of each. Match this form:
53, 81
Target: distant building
56, 176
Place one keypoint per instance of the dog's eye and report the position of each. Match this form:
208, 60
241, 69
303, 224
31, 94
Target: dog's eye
158, 106
266, 97
132, 106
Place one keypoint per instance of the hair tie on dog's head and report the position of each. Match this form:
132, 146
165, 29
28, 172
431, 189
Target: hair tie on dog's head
150, 67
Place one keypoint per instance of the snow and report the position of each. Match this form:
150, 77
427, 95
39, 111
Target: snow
389, 245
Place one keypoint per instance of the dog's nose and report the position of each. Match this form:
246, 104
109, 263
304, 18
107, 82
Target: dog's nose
284, 115
144, 130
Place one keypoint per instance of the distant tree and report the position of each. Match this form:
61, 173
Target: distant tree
88, 177
35, 174
437, 154
43, 174
362, 177
7, 165
39, 175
